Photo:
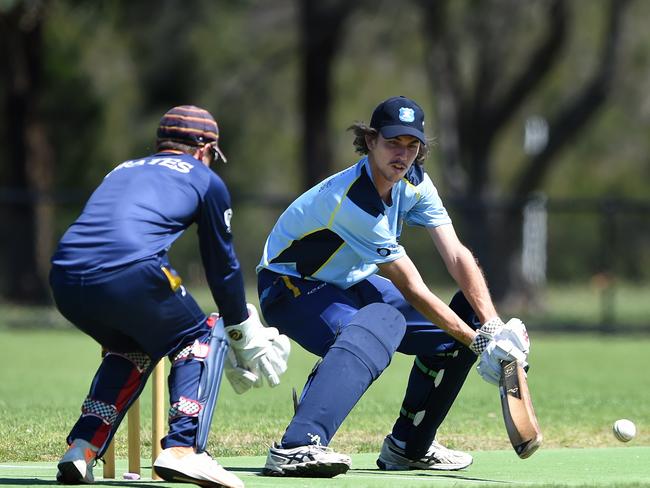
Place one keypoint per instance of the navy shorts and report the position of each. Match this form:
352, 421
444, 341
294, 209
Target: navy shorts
138, 307
312, 312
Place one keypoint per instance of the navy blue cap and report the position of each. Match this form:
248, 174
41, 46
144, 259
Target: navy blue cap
399, 116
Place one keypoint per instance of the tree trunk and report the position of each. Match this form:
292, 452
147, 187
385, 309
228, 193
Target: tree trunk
472, 115
29, 214
321, 25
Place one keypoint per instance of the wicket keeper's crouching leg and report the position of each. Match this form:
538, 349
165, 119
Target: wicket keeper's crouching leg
138, 319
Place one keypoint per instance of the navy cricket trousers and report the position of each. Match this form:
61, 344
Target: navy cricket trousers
139, 314
314, 313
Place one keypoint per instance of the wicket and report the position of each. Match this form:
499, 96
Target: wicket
133, 421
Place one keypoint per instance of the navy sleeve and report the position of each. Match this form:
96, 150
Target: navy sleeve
221, 265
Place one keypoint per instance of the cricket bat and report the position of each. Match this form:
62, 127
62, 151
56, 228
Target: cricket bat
518, 413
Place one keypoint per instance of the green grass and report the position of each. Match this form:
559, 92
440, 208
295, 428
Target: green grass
580, 385
575, 306
604, 468
617, 305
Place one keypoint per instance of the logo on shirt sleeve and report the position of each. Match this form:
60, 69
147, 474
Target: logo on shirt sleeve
227, 216
383, 252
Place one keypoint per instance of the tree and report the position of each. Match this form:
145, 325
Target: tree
473, 111
322, 26
29, 218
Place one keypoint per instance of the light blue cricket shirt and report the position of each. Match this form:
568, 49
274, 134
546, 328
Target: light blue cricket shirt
339, 230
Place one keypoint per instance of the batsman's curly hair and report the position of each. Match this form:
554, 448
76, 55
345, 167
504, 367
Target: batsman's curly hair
361, 130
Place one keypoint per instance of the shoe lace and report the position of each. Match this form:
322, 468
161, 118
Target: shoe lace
437, 450
207, 453
435, 445
321, 448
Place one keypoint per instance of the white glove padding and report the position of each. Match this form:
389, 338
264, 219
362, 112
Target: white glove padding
489, 366
509, 342
485, 334
515, 330
240, 379
261, 350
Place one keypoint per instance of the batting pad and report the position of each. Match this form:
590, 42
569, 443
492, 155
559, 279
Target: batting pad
361, 351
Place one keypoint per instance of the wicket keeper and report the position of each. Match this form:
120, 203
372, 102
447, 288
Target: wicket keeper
318, 284
112, 279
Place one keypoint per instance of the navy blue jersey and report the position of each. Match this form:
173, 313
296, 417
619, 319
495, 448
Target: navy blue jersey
142, 207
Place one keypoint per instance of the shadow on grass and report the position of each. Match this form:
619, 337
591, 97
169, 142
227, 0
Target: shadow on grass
240, 469
431, 474
26, 481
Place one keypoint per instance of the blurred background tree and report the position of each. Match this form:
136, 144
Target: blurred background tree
487, 60
28, 156
540, 96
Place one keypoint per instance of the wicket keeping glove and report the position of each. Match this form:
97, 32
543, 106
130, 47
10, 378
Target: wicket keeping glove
500, 342
240, 379
260, 351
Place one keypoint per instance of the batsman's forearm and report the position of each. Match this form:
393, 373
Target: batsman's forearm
469, 277
405, 276
439, 313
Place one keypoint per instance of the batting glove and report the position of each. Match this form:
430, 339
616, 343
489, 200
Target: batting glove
505, 342
515, 330
486, 334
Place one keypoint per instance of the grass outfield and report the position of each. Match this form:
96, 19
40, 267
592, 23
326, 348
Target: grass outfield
580, 385
569, 307
604, 468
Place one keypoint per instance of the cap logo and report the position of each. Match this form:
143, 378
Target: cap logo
406, 114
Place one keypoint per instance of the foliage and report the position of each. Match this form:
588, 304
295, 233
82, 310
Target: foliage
110, 69
110, 75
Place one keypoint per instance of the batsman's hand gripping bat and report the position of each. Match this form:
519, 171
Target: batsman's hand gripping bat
518, 413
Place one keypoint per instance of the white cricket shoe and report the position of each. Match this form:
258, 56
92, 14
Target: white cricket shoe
310, 461
183, 465
76, 465
393, 458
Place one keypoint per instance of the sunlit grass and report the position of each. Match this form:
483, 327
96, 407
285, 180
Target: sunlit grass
597, 304
580, 385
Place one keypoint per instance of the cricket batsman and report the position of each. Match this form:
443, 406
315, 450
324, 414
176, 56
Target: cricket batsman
318, 283
112, 279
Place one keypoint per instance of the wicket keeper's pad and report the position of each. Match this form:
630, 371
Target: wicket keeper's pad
210, 382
